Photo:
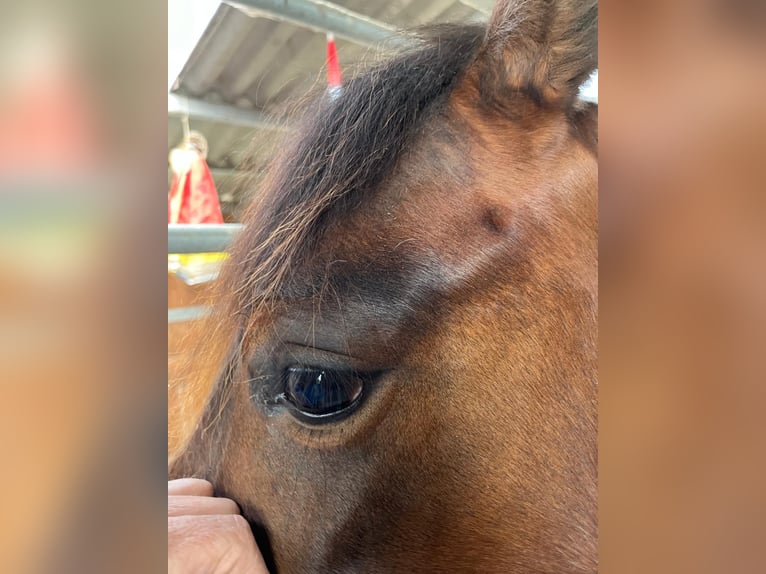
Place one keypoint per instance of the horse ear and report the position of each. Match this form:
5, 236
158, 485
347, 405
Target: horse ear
546, 48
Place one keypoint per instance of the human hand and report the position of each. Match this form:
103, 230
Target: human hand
208, 535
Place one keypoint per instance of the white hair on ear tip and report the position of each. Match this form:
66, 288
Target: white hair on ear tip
589, 90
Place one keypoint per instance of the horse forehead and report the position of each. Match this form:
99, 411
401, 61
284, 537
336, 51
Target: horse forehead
434, 229
444, 221
370, 286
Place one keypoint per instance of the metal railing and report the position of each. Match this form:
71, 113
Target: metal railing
181, 314
203, 238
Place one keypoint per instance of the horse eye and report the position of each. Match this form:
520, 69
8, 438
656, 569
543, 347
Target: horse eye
318, 393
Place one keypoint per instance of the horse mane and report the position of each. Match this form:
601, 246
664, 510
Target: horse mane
341, 151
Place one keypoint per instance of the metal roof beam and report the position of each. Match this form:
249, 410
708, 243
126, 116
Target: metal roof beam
325, 17
180, 106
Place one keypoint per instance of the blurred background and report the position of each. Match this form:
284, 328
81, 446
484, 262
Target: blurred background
682, 285
82, 289
86, 95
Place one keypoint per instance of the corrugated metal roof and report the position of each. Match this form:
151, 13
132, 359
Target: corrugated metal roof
253, 62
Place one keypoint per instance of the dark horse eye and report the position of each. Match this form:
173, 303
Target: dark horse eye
322, 392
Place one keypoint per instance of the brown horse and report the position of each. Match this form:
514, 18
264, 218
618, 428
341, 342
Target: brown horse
406, 343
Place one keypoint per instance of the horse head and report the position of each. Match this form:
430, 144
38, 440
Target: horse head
405, 374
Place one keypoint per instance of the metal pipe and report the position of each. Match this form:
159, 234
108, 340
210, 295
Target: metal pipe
202, 238
326, 17
182, 314
180, 106
217, 172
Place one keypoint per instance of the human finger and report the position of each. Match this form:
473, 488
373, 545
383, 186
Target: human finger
190, 487
200, 505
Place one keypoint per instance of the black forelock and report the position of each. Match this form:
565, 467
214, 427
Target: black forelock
351, 142
344, 148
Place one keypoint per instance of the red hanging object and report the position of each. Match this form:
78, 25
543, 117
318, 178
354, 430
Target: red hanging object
333, 67
193, 197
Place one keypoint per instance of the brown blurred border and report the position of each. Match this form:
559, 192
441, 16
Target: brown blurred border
682, 286
82, 285
682, 312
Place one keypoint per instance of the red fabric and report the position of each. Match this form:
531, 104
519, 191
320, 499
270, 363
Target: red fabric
333, 67
193, 197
